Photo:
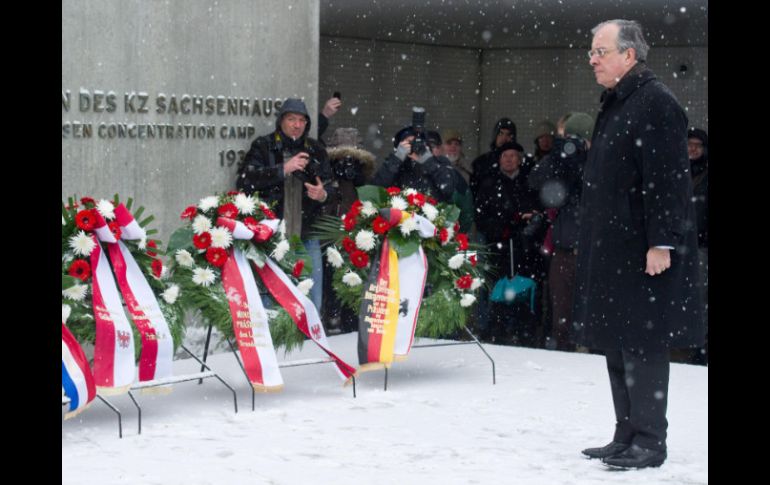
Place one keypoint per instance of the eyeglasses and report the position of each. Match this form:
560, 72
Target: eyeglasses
599, 51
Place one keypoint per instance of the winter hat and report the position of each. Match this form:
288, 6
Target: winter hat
504, 123
450, 135
293, 105
699, 134
544, 128
511, 145
348, 137
401, 134
580, 124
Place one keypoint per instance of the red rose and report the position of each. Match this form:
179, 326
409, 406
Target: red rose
189, 213
202, 241
228, 210
464, 282
152, 244
472, 259
233, 192
462, 241
350, 222
443, 235
216, 256
268, 213
251, 223
115, 229
349, 244
88, 202
298, 268
457, 227
380, 225
80, 269
359, 259
432, 201
393, 190
85, 220
157, 267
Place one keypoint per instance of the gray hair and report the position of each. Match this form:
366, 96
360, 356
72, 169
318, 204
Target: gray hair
629, 36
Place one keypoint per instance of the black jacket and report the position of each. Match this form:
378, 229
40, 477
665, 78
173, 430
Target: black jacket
500, 203
557, 179
700, 181
435, 176
262, 171
637, 194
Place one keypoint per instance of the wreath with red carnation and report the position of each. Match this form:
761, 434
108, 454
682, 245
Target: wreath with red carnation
79, 222
453, 275
200, 250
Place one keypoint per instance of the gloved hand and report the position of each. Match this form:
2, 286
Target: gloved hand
403, 149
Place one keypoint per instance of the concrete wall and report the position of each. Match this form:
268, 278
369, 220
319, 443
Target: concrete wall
381, 81
530, 85
469, 90
126, 54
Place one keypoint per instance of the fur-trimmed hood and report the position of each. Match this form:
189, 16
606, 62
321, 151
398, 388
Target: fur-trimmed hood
367, 159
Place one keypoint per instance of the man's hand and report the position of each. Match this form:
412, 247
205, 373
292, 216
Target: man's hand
297, 162
331, 107
316, 191
658, 261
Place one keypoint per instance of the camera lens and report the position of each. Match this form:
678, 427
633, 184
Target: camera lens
569, 148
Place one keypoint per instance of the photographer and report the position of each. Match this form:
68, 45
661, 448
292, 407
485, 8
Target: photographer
412, 164
558, 179
289, 156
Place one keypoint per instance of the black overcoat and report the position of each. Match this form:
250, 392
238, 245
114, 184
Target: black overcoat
636, 194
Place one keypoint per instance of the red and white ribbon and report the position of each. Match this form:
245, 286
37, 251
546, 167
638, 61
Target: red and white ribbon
114, 368
301, 310
297, 305
250, 324
157, 354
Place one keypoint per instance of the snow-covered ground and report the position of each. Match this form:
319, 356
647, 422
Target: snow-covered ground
440, 421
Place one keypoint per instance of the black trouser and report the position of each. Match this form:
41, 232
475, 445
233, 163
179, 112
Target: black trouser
639, 382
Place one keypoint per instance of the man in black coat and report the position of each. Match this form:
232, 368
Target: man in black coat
289, 156
637, 268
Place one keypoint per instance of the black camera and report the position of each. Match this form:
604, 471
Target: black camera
346, 168
311, 170
420, 144
571, 147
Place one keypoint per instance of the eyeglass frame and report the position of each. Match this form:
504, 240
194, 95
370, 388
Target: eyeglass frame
599, 51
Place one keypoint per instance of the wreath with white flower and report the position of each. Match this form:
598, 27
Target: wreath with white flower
79, 240
453, 275
200, 252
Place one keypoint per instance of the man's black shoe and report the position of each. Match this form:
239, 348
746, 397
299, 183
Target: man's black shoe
611, 449
636, 457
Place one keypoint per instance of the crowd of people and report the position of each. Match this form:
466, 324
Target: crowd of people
607, 219
523, 208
